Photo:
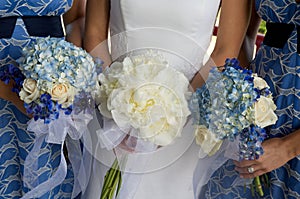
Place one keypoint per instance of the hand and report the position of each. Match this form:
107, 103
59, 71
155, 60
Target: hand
125, 146
275, 155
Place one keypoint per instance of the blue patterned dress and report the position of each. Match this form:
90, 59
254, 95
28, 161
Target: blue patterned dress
15, 141
280, 67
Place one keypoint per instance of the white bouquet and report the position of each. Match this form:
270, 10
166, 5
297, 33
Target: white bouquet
143, 94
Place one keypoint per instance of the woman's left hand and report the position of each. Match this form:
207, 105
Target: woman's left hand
275, 155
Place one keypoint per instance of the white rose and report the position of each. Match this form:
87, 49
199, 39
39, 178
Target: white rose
63, 93
259, 82
29, 92
264, 112
207, 141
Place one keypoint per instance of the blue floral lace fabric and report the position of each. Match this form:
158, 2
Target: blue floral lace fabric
280, 67
15, 140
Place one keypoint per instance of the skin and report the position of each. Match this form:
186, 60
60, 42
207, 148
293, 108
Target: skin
247, 49
277, 152
96, 29
74, 21
228, 45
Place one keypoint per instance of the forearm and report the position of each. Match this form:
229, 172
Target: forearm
96, 24
292, 144
231, 33
77, 11
74, 22
232, 29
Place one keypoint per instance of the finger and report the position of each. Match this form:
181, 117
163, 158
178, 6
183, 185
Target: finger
246, 170
252, 175
245, 163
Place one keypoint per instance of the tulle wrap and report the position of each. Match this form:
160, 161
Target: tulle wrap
70, 130
207, 165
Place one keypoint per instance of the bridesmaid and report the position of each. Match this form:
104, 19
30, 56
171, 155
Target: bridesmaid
277, 61
20, 23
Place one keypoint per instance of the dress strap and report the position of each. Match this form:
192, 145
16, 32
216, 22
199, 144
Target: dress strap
37, 26
278, 34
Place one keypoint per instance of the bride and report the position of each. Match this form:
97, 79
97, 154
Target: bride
181, 32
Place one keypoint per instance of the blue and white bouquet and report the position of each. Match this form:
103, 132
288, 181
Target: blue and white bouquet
57, 75
59, 89
233, 103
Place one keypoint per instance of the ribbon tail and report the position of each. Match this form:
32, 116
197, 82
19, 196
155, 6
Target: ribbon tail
31, 175
81, 163
51, 183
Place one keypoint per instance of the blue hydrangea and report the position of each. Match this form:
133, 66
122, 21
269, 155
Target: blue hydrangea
251, 139
224, 104
52, 61
10, 72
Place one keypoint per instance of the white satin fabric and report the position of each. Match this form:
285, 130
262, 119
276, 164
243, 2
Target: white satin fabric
182, 31
183, 27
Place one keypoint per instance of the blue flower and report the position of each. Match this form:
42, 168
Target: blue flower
251, 139
224, 104
10, 72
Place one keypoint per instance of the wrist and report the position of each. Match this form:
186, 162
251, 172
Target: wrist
291, 144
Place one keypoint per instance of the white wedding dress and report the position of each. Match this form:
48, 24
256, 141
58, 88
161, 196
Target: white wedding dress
181, 30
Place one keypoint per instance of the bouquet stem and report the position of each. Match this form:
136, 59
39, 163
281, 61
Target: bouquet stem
112, 182
113, 179
258, 186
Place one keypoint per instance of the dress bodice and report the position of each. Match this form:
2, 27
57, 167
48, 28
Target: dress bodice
183, 28
33, 7
11, 48
279, 11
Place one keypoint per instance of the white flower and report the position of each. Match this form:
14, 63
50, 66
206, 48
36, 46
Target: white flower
207, 141
146, 95
259, 82
264, 112
109, 81
63, 93
29, 92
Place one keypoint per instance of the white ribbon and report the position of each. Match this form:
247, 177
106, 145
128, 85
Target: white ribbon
210, 164
142, 156
110, 135
74, 125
